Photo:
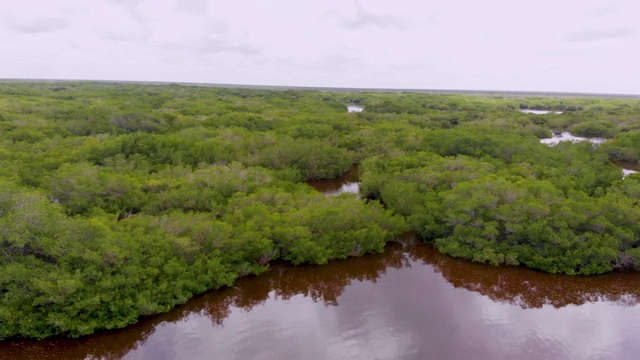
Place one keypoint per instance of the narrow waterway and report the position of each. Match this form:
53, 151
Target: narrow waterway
347, 183
628, 167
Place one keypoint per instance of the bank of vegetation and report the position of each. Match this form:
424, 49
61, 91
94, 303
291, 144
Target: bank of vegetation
120, 201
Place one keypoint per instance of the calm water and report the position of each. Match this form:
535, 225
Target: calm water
355, 108
347, 183
566, 136
628, 167
539, 112
408, 303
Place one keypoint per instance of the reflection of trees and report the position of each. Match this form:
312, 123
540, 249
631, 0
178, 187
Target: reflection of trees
526, 288
321, 283
532, 289
101, 345
332, 186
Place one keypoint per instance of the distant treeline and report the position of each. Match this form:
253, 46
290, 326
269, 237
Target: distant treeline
120, 200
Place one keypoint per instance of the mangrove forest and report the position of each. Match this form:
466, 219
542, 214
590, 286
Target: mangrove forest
119, 201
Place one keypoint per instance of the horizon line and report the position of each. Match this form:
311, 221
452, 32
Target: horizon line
340, 89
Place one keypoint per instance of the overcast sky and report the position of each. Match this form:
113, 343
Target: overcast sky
542, 45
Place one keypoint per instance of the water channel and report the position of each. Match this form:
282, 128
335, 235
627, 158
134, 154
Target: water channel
347, 183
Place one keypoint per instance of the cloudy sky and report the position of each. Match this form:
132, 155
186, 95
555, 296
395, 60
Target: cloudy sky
543, 45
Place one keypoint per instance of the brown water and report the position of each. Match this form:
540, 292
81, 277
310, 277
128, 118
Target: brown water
409, 303
347, 183
628, 167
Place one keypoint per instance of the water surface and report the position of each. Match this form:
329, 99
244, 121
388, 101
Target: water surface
409, 303
567, 136
349, 182
539, 112
355, 108
628, 167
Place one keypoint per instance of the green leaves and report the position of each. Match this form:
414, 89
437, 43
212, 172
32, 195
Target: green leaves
120, 201
504, 214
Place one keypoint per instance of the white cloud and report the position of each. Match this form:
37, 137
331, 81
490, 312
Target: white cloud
39, 25
364, 19
603, 10
591, 35
465, 44
192, 7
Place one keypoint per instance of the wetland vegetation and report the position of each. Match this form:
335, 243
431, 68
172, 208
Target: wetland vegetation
122, 200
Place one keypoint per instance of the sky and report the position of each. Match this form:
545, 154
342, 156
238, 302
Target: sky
588, 46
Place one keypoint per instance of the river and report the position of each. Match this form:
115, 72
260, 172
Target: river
410, 302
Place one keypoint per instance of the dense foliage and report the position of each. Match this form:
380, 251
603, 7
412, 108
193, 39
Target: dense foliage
119, 201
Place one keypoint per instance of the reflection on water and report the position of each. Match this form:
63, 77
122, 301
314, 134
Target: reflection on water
409, 303
566, 136
628, 167
347, 183
355, 108
539, 112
